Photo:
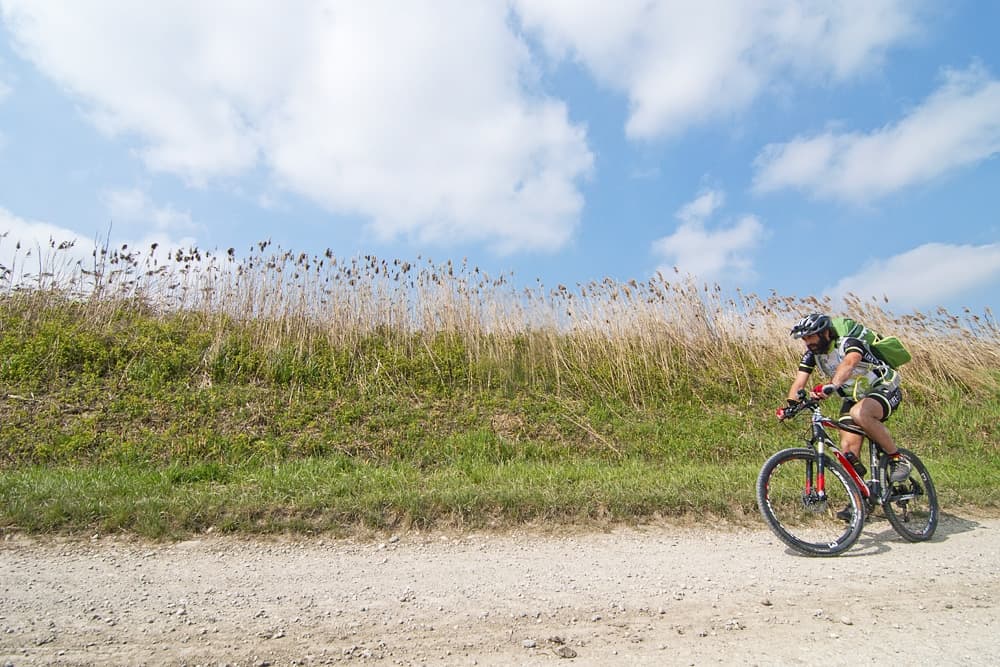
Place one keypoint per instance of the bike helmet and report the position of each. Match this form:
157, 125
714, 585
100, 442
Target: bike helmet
811, 324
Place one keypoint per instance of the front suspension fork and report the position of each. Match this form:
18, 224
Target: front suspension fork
821, 446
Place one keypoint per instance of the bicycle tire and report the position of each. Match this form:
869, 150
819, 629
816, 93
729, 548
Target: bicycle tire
809, 527
911, 506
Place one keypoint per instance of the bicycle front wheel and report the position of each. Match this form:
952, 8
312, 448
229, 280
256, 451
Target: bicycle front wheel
911, 506
789, 498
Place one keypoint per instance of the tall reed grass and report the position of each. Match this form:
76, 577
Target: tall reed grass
628, 338
165, 391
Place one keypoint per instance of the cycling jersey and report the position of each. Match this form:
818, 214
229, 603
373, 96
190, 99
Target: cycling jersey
871, 372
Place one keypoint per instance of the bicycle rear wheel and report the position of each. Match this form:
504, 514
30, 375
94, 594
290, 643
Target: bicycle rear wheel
788, 500
911, 506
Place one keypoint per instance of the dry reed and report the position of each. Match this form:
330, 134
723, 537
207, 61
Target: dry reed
626, 330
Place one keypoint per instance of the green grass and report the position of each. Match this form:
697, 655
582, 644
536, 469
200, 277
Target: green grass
120, 417
335, 495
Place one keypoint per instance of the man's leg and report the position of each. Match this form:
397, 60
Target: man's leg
850, 443
868, 413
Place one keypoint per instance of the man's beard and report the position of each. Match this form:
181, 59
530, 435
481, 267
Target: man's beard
822, 346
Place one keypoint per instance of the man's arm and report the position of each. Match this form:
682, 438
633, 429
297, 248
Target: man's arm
801, 379
840, 376
846, 367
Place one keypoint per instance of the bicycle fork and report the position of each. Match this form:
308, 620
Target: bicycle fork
822, 443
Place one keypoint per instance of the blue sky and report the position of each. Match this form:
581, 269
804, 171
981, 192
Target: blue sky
805, 148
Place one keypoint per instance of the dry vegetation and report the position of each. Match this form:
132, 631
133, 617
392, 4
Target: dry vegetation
168, 392
288, 301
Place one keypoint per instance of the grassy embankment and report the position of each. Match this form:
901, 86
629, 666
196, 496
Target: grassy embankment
282, 392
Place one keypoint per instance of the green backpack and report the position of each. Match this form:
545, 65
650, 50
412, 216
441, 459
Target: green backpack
887, 348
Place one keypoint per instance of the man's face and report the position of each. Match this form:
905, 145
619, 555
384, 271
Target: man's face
817, 342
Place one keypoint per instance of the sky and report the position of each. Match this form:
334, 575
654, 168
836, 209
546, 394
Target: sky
773, 146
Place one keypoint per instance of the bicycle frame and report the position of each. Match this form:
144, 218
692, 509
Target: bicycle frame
871, 490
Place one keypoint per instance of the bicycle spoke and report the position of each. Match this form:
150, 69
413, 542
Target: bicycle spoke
798, 515
912, 506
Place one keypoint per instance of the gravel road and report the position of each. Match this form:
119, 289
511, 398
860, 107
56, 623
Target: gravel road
652, 595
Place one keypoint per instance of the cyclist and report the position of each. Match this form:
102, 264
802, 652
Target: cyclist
868, 385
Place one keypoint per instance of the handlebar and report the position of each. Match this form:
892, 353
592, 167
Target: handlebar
812, 405
792, 410
804, 403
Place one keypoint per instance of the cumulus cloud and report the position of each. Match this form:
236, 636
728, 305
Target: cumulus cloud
134, 209
683, 63
928, 275
957, 126
707, 253
31, 248
32, 233
423, 118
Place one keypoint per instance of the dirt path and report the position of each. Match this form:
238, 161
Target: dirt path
657, 595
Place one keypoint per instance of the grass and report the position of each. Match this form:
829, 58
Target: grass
166, 396
331, 495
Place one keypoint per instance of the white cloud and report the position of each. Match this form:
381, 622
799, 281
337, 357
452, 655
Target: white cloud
29, 248
681, 63
32, 247
420, 116
957, 126
709, 254
32, 233
702, 208
135, 210
928, 275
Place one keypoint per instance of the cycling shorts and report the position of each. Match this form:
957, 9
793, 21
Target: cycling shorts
888, 397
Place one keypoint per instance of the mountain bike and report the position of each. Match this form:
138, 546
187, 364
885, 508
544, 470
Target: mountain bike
817, 503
